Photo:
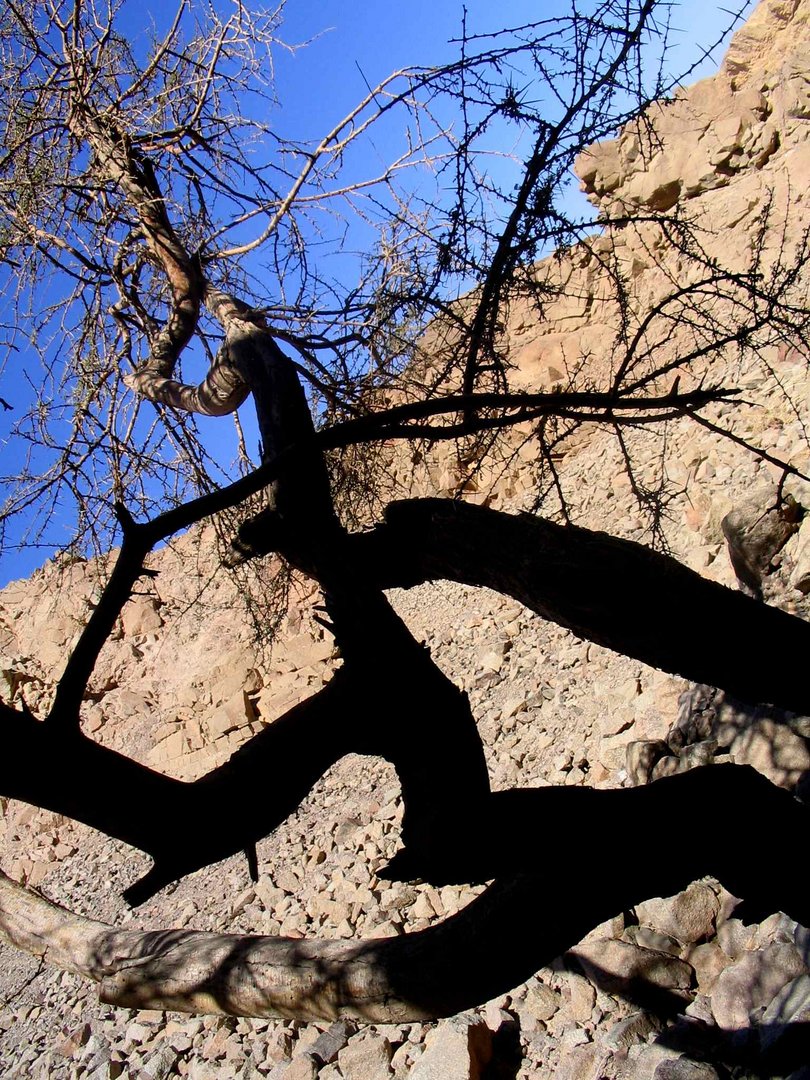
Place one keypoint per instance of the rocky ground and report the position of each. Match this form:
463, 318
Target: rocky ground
551, 710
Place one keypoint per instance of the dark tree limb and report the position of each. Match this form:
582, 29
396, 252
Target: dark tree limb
221, 813
388, 699
476, 954
614, 592
72, 684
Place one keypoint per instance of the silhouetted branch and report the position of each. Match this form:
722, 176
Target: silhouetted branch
611, 591
473, 955
72, 684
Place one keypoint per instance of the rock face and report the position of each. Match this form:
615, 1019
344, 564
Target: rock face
183, 684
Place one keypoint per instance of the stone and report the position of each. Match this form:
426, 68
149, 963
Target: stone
641, 757
800, 576
688, 916
457, 1049
12, 677
619, 965
791, 1005
366, 1057
708, 960
302, 651
141, 616
756, 530
302, 1067
753, 981
735, 938
231, 715
542, 1002
71, 1045
330, 1042
330, 1072
584, 1062
631, 1030
684, 1068
161, 1065
773, 749
648, 938
778, 927
581, 998
137, 1033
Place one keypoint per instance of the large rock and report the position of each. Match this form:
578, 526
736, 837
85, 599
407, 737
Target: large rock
617, 966
688, 916
756, 530
458, 1049
708, 961
773, 749
231, 715
366, 1057
332, 1041
790, 1006
753, 981
800, 578
141, 616
684, 1068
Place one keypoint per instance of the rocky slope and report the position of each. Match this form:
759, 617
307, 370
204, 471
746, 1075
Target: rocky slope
551, 709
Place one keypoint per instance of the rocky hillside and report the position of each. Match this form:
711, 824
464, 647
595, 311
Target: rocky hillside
728, 153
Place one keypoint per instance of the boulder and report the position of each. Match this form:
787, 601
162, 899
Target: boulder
365, 1057
141, 616
753, 981
688, 916
618, 966
774, 750
756, 530
458, 1049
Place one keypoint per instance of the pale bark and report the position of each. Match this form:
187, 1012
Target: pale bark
117, 161
221, 392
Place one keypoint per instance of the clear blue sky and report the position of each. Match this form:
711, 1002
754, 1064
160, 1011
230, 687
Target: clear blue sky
356, 43
322, 81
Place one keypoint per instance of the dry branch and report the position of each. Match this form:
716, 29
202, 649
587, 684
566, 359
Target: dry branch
471, 956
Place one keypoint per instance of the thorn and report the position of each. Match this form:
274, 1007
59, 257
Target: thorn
253, 862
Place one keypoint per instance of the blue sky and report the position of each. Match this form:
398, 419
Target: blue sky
322, 81
354, 45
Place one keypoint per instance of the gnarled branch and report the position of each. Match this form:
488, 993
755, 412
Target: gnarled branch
477, 953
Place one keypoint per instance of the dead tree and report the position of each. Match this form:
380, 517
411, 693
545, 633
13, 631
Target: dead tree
454, 827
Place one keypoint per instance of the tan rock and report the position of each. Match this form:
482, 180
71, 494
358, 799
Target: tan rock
141, 616
688, 916
773, 749
458, 1049
617, 965
753, 980
366, 1057
235, 713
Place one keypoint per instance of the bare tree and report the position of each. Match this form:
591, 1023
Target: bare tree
126, 172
